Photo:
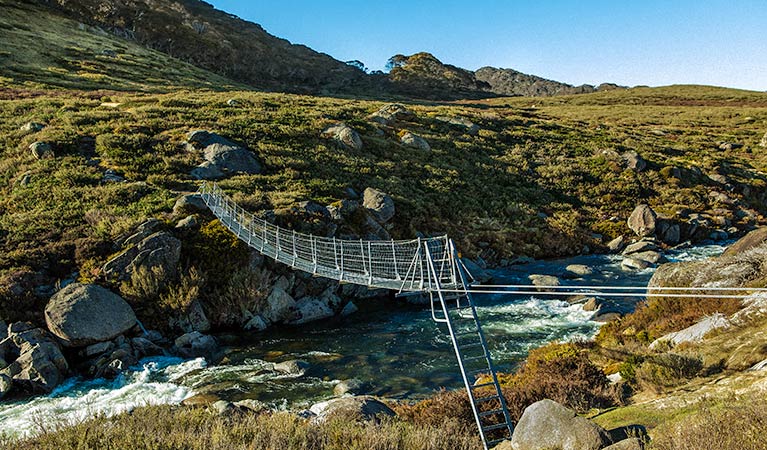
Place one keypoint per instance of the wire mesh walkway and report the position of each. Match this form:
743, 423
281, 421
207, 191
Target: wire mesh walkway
398, 265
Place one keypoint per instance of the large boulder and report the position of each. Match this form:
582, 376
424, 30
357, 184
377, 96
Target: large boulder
196, 344
476, 271
694, 333
394, 112
83, 314
280, 306
309, 309
344, 135
40, 365
158, 250
41, 150
232, 159
190, 203
222, 156
413, 140
379, 204
752, 240
642, 220
642, 246
359, 408
546, 425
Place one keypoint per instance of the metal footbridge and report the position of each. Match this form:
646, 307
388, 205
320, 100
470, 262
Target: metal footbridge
430, 266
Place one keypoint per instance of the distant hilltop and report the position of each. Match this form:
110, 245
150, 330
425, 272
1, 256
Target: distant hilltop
243, 53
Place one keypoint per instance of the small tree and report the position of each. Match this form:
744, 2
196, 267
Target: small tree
358, 64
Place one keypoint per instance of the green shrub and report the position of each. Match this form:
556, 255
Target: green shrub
658, 372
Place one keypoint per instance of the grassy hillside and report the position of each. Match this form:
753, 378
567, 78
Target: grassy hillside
42, 49
541, 177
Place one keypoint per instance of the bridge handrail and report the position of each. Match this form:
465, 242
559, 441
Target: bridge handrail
392, 264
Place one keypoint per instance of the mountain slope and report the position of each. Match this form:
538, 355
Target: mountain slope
43, 49
195, 32
514, 83
422, 74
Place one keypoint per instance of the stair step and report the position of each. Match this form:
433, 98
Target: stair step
491, 412
497, 441
478, 372
477, 386
472, 345
486, 399
474, 358
495, 427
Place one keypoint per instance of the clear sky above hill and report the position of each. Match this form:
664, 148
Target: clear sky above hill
652, 42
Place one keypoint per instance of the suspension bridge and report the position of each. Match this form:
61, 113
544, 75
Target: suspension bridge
429, 266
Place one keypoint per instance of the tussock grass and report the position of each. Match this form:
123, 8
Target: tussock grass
168, 427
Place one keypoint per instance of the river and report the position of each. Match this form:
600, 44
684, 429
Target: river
392, 347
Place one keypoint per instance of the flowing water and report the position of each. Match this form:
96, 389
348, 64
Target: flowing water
394, 348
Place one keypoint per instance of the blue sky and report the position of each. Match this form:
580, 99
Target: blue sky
650, 42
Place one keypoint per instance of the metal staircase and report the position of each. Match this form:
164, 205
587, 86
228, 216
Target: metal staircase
456, 309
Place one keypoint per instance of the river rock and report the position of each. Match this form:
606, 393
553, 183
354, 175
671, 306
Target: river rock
353, 386
144, 347
192, 318
413, 140
379, 204
592, 304
577, 270
201, 400
6, 383
394, 112
159, 250
280, 305
670, 233
97, 348
40, 366
470, 127
344, 135
362, 408
84, 314
348, 309
543, 280
546, 425
694, 333
41, 150
309, 309
616, 244
256, 323
641, 246
476, 271
196, 344
633, 263
649, 256
292, 367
